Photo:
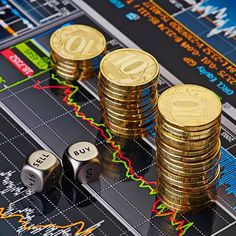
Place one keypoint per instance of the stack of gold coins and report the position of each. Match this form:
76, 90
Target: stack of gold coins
128, 92
188, 147
77, 51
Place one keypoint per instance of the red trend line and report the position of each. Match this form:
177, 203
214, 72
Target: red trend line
161, 209
158, 208
68, 92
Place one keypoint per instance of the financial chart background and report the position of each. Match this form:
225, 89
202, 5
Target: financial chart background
41, 111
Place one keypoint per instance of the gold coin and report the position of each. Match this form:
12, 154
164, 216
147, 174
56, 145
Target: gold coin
185, 135
184, 153
57, 60
66, 65
128, 90
65, 76
185, 182
189, 107
131, 135
191, 159
127, 105
207, 175
71, 78
186, 194
133, 130
187, 198
66, 71
183, 208
92, 64
202, 165
188, 172
187, 145
126, 96
129, 67
112, 96
185, 201
190, 167
127, 115
129, 124
77, 42
130, 112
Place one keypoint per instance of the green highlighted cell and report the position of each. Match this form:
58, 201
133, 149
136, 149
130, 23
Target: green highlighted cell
38, 61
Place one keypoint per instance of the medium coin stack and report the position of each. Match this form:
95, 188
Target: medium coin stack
128, 92
76, 52
188, 147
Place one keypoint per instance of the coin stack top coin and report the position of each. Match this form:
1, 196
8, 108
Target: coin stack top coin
128, 92
188, 147
77, 51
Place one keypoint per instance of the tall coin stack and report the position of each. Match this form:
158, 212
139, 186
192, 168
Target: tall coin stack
77, 51
128, 92
188, 147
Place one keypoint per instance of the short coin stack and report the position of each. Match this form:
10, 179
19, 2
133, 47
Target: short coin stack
77, 51
128, 92
188, 147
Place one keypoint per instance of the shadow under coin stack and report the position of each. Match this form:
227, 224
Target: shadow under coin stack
188, 147
128, 92
76, 52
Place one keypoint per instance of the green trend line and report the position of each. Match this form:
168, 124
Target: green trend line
108, 137
159, 208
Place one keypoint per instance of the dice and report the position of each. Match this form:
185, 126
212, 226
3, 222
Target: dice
76, 193
81, 162
41, 171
